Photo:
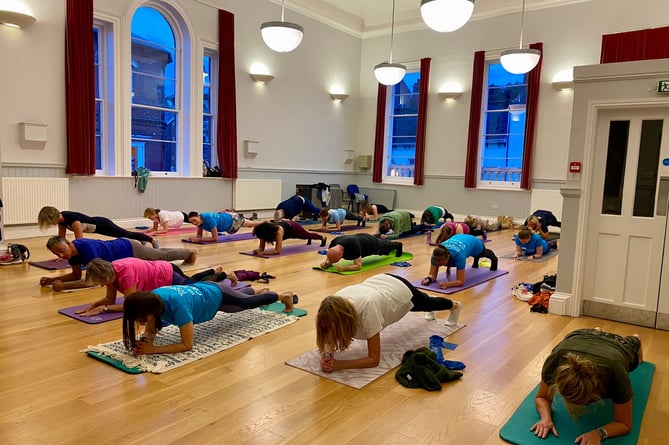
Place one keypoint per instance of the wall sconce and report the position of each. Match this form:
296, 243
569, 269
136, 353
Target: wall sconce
452, 95
340, 97
563, 85
16, 19
261, 78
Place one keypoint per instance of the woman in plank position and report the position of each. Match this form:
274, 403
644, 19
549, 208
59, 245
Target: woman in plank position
276, 232
362, 311
184, 306
589, 365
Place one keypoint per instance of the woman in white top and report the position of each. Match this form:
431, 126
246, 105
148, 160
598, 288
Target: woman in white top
166, 219
362, 311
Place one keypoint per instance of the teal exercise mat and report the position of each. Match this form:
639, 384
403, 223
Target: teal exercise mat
517, 428
278, 308
368, 262
223, 238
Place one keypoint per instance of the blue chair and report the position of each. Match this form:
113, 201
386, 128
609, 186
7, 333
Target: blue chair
355, 197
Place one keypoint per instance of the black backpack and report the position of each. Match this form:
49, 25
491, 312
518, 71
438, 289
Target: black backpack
18, 251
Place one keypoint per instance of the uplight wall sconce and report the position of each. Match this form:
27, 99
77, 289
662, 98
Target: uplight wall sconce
16, 19
449, 95
261, 78
563, 85
339, 97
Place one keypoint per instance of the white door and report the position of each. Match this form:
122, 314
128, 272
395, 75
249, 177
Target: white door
626, 222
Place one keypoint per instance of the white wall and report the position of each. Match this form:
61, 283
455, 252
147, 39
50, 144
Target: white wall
302, 133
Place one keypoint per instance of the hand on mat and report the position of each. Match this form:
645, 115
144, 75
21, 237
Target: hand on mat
45, 281
258, 251
143, 346
328, 363
90, 310
589, 438
543, 428
516, 255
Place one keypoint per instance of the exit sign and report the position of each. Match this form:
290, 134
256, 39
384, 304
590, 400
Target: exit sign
663, 86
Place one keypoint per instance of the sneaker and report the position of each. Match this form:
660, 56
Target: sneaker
429, 316
364, 223
309, 242
399, 251
323, 241
455, 313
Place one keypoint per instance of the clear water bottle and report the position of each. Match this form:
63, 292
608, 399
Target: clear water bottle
428, 238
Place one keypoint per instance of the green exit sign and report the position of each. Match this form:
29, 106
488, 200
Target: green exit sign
663, 86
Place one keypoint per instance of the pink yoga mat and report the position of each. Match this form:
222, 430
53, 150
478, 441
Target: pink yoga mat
224, 238
290, 250
188, 229
472, 278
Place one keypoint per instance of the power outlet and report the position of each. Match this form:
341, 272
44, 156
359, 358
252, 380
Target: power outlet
495, 207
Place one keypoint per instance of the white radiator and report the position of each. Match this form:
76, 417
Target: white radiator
256, 194
24, 197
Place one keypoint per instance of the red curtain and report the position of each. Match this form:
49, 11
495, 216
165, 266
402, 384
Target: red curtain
226, 130
379, 138
644, 44
533, 86
419, 166
80, 88
474, 120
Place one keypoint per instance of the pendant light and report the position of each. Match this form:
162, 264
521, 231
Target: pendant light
446, 15
520, 61
389, 73
282, 37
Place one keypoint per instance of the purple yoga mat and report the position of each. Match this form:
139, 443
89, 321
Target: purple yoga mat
51, 264
107, 316
95, 319
290, 250
224, 238
472, 278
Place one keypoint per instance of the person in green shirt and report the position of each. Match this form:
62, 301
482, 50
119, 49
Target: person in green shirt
397, 223
587, 366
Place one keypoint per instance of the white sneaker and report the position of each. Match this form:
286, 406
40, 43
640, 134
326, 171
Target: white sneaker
455, 313
429, 316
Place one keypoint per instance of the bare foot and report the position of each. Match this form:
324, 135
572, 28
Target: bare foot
218, 269
287, 299
191, 258
262, 291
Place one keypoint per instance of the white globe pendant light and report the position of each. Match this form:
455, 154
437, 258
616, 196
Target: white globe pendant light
282, 37
446, 15
521, 60
389, 73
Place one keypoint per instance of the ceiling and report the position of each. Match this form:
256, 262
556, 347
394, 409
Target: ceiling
371, 18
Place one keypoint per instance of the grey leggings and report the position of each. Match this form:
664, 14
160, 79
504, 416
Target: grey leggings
147, 252
244, 298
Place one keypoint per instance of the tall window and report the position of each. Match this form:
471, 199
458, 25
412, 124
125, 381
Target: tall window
155, 102
208, 107
502, 144
103, 48
403, 117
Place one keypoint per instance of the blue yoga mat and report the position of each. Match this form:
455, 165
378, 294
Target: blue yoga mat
517, 429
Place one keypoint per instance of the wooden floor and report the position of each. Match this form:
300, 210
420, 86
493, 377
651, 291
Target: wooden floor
52, 393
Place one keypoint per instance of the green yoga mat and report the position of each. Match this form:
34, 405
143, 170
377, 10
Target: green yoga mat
278, 308
517, 429
368, 262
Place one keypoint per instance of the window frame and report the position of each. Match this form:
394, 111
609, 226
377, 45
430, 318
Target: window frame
106, 96
487, 183
211, 51
413, 68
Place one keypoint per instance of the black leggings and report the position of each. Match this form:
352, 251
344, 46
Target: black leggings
422, 302
180, 278
105, 226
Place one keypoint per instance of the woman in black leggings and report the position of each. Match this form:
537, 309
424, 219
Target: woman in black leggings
80, 224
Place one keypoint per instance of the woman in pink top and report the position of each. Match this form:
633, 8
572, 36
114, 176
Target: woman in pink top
130, 275
449, 229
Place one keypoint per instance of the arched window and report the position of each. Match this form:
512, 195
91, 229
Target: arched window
155, 92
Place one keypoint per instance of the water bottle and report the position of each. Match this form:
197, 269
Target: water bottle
428, 239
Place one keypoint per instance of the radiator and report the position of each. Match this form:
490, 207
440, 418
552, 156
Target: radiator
24, 197
256, 194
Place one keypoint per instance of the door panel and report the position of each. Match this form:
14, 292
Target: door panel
625, 233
